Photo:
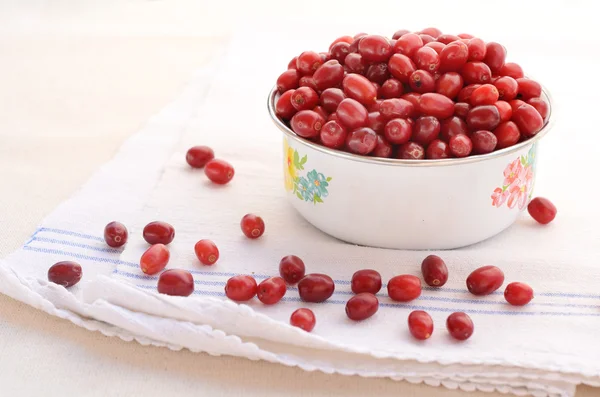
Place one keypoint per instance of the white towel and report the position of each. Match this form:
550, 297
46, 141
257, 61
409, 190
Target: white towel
543, 349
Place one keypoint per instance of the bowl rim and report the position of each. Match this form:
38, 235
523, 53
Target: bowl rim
411, 163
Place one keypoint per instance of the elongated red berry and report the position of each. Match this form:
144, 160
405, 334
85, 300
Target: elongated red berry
460, 326
435, 271
303, 318
241, 288
271, 290
198, 156
65, 273
404, 288
420, 324
518, 294
366, 280
158, 232
115, 234
485, 280
176, 282
362, 306
542, 210
206, 252
155, 259
252, 226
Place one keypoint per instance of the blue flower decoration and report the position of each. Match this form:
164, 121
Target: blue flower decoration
306, 189
319, 182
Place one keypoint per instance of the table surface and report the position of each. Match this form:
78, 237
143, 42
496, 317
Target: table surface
61, 95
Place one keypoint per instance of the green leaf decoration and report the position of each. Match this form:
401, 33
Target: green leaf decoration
523, 160
299, 196
296, 159
328, 179
303, 161
318, 199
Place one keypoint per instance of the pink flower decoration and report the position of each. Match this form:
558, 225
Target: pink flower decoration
512, 172
520, 188
499, 197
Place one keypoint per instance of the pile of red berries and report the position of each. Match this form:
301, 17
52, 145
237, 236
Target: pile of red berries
418, 95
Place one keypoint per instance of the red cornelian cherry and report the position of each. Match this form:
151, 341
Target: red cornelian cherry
495, 54
529, 88
375, 107
504, 110
507, 88
360, 88
421, 81
449, 84
198, 156
271, 290
454, 56
361, 141
433, 32
464, 95
288, 80
426, 38
308, 62
252, 226
305, 98
527, 118
453, 126
65, 273
292, 269
477, 49
155, 259
396, 108
404, 288
374, 48
219, 171
398, 131
391, 88
411, 151
376, 122
476, 73
465, 36
316, 287
401, 67
427, 58
400, 33
507, 134
541, 106
339, 51
292, 63
283, 107
206, 252
483, 141
241, 288
331, 98
484, 117
486, 94
420, 324
353, 63
408, 44
447, 38
352, 113
303, 318
115, 234
321, 111
366, 280
329, 74
362, 306
437, 149
333, 134
176, 282
437, 46
542, 210
485, 280
511, 69
518, 294
378, 73
426, 129
515, 104
342, 39
460, 145
158, 232
307, 123
435, 271
461, 109
436, 105
383, 148
307, 81
460, 326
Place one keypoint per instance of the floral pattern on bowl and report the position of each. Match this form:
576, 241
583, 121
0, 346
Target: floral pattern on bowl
517, 188
312, 187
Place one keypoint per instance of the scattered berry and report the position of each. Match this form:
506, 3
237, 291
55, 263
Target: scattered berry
362, 306
198, 156
253, 226
485, 280
542, 210
316, 287
460, 326
176, 282
115, 234
366, 280
404, 288
304, 319
271, 290
158, 232
65, 273
155, 259
435, 272
241, 288
420, 324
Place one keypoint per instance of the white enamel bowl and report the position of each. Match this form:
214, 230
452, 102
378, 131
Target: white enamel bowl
407, 204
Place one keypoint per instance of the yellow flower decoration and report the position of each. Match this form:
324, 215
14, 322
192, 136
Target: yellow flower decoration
289, 170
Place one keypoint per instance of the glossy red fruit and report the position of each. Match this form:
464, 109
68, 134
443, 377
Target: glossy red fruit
425, 130
398, 131
376, 122
358, 87
206, 251
435, 271
65, 273
476, 73
426, 58
420, 324
542, 210
304, 98
307, 123
400, 33
366, 280
465, 36
518, 294
304, 319
507, 134
331, 98
495, 54
426, 38
421, 81
447, 38
507, 88
355, 64
308, 62
529, 88
411, 151
333, 134
477, 49
511, 69
292, 63
328, 75
378, 72
158, 233
391, 88
437, 149
436, 105
352, 113
465, 93
321, 111
307, 81
219, 171
486, 94
485, 280
176, 282
401, 67
361, 141
396, 108
292, 269
404, 288
414, 98
383, 148
461, 109
362, 306
527, 118
453, 57
374, 48
198, 156
437, 46
449, 84
460, 145
342, 39
433, 32
460, 326
115, 234
375, 107
284, 108
155, 259
288, 80
339, 51
483, 142
485, 117
271, 290
316, 287
241, 288
408, 44
541, 106
453, 126
504, 110
252, 226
